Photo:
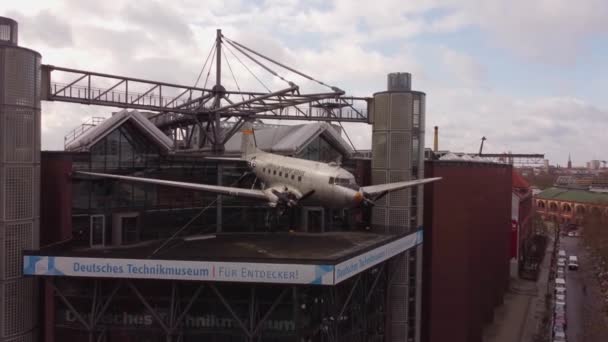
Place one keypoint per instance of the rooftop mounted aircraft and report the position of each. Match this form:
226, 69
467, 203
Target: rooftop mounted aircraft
287, 181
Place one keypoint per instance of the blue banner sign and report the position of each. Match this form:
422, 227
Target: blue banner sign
215, 271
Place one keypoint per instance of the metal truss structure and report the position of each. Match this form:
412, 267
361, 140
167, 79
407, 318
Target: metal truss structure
188, 110
353, 311
517, 159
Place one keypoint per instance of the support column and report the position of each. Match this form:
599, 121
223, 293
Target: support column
19, 182
398, 155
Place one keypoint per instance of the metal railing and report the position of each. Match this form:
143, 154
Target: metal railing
80, 130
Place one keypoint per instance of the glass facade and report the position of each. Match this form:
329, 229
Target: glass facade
162, 210
320, 149
353, 310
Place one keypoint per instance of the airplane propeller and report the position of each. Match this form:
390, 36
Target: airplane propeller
287, 199
368, 200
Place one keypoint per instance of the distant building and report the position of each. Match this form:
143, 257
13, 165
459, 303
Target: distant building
594, 165
562, 205
569, 161
521, 220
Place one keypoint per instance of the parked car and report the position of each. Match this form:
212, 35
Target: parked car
560, 321
560, 301
559, 331
561, 272
561, 262
560, 283
573, 263
562, 253
560, 291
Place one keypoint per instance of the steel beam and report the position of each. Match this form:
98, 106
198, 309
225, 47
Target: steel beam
148, 306
230, 310
70, 306
270, 311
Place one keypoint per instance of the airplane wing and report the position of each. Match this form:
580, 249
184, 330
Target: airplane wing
382, 189
223, 190
226, 158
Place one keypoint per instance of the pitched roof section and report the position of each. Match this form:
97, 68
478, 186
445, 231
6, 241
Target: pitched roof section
574, 195
519, 181
92, 136
290, 139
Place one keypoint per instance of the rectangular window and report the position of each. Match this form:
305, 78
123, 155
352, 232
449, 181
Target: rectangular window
293, 177
274, 172
299, 178
286, 175
331, 180
97, 233
280, 173
264, 169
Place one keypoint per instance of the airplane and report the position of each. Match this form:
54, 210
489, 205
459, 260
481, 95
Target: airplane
287, 181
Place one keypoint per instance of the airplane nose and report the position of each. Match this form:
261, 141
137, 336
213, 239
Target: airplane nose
358, 197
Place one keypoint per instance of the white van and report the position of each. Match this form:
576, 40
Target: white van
573, 262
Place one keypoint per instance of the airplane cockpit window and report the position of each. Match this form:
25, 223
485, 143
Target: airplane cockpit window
342, 181
346, 182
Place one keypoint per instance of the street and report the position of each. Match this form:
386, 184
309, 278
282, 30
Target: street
586, 322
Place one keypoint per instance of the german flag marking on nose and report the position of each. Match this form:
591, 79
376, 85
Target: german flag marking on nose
247, 131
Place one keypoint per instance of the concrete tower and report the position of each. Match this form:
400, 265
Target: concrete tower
19, 182
398, 155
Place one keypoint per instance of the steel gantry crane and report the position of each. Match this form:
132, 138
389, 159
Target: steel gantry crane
214, 113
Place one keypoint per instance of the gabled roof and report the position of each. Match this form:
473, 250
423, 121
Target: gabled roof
290, 140
519, 181
92, 136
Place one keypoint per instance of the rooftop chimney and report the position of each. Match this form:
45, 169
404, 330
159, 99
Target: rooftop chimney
436, 140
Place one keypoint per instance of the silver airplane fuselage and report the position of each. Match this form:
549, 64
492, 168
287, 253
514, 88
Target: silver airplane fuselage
331, 185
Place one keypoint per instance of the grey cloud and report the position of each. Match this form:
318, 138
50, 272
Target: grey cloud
122, 44
43, 28
161, 21
544, 31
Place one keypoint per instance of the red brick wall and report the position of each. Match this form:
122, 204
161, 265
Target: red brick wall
467, 217
55, 197
55, 222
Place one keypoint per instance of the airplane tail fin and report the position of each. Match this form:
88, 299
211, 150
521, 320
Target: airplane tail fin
248, 144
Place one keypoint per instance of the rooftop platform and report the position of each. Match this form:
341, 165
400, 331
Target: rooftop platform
296, 258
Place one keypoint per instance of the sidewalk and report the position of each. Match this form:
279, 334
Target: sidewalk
520, 317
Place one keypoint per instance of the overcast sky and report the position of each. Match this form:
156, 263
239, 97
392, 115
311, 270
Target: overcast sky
531, 76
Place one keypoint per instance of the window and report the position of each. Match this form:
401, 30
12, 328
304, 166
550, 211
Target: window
331, 180
97, 232
299, 178
129, 230
264, 169
286, 175
274, 172
293, 177
342, 181
319, 149
280, 173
